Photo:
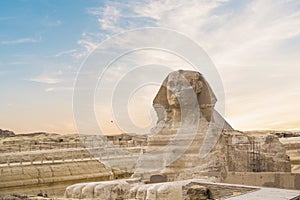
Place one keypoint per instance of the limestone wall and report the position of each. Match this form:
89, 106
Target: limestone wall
266, 179
50, 178
292, 146
121, 161
253, 153
52, 170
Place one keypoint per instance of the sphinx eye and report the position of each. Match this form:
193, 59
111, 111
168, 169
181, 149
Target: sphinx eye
171, 83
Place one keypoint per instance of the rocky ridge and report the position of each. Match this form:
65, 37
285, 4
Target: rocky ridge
6, 133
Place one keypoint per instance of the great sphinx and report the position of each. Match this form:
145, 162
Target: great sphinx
187, 128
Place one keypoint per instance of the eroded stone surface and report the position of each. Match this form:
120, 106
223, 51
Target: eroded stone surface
181, 91
122, 189
158, 178
178, 190
196, 192
100, 190
6, 133
186, 126
180, 138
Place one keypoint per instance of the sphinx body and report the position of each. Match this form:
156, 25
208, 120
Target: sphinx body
187, 125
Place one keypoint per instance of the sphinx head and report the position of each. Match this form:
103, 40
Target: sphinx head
183, 90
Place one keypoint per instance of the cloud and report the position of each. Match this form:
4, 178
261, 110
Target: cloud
117, 17
71, 52
88, 45
252, 43
113, 17
59, 89
108, 17
20, 41
12, 63
220, 30
45, 79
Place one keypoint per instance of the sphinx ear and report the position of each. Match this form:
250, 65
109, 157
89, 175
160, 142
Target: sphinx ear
207, 96
207, 100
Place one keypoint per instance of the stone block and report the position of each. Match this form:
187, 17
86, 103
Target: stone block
158, 178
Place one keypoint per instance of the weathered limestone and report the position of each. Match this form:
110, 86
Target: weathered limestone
99, 190
10, 142
181, 91
292, 146
158, 178
51, 178
6, 133
122, 189
193, 192
193, 189
284, 180
188, 125
249, 153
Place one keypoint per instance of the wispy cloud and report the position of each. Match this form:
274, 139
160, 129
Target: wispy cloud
12, 63
71, 52
58, 89
245, 39
221, 30
88, 45
108, 17
113, 17
59, 78
20, 41
45, 79
116, 17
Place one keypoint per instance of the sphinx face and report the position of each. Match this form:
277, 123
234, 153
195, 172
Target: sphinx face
182, 97
183, 89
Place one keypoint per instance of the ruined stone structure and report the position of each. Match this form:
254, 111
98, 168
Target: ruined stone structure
50, 178
48, 163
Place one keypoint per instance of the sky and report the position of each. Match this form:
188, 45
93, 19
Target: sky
254, 45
